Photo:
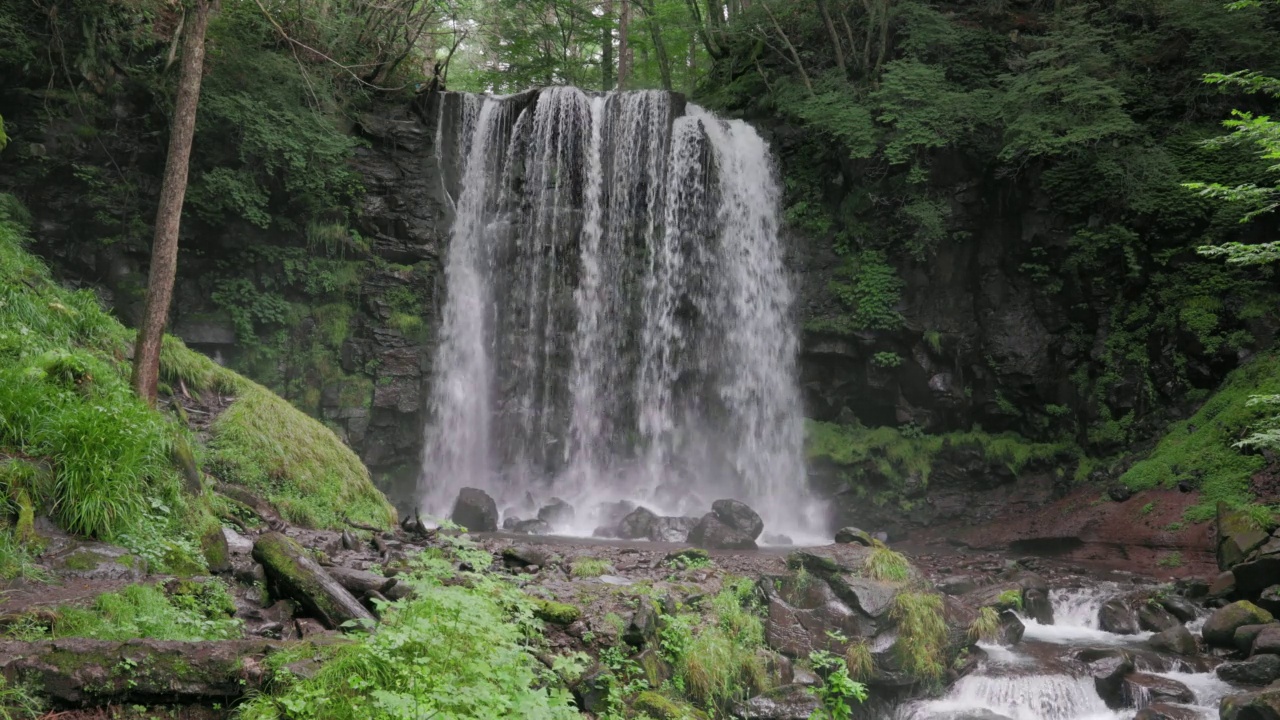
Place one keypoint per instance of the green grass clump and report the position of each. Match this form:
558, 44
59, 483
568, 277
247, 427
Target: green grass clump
922, 634
589, 567
1172, 560
886, 565
21, 701
146, 611
1010, 599
294, 462
453, 651
859, 661
985, 627
721, 664
1199, 450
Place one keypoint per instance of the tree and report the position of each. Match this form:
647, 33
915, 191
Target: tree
164, 249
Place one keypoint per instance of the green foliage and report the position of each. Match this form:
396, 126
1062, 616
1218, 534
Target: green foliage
589, 567
836, 688
887, 565
1199, 449
21, 701
1011, 599
720, 664
1170, 560
690, 559
922, 634
869, 288
194, 611
454, 650
986, 627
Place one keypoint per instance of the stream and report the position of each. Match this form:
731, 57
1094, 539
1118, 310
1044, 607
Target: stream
1038, 679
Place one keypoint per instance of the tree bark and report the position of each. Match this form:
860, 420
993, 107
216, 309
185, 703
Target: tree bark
659, 46
164, 248
624, 47
606, 48
294, 574
85, 672
835, 37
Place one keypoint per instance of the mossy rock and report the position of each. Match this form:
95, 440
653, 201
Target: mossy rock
99, 561
661, 707
213, 544
1220, 629
554, 612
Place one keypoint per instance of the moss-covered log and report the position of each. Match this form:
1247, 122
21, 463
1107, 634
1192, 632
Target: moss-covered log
85, 672
294, 574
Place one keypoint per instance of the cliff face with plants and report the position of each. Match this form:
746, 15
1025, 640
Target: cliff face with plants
987, 221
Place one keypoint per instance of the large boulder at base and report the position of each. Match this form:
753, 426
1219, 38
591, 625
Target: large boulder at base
637, 524
872, 597
671, 529
789, 702
1238, 536
738, 516
1165, 711
1177, 640
1267, 642
475, 511
1245, 635
532, 527
1257, 670
1223, 586
1011, 628
846, 535
1220, 629
1115, 616
556, 513
1155, 688
1262, 705
713, 534
1153, 618
1179, 607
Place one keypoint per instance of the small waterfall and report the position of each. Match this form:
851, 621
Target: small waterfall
1029, 697
618, 319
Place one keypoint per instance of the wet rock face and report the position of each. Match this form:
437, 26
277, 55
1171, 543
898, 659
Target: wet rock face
846, 535
1220, 629
1117, 617
714, 534
789, 702
1257, 670
1177, 639
739, 516
556, 513
637, 524
475, 511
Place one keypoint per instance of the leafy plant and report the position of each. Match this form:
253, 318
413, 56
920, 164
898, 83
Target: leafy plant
1011, 598
837, 687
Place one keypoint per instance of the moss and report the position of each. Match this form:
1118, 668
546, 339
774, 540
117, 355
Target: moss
660, 707
25, 530
82, 560
554, 612
589, 568
1199, 450
213, 545
294, 462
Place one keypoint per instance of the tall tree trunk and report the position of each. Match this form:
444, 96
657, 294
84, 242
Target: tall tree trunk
659, 46
624, 47
606, 48
835, 37
164, 249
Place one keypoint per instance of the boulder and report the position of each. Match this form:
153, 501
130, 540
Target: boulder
1177, 640
1244, 637
1119, 493
776, 539
1257, 670
1152, 617
1143, 688
1256, 575
1115, 616
643, 626
1238, 535
1108, 668
671, 529
592, 692
846, 535
532, 527
957, 585
510, 522
1011, 628
1269, 600
556, 513
738, 516
1261, 705
1220, 629
873, 597
95, 561
636, 525
1179, 607
788, 702
1223, 586
610, 514
526, 555
475, 511
714, 534
1268, 641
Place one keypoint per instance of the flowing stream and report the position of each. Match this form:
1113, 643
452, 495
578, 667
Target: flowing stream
1035, 680
618, 320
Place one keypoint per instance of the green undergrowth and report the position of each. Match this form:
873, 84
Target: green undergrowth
895, 455
922, 634
188, 611
460, 649
1200, 450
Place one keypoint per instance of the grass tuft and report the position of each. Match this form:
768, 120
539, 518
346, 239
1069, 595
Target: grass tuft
146, 611
985, 627
886, 565
858, 659
589, 567
922, 634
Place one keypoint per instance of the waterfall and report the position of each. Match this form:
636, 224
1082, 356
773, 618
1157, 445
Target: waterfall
618, 318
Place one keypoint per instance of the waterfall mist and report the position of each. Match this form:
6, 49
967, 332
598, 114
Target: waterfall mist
618, 319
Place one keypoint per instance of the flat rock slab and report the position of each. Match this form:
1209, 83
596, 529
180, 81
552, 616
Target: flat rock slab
95, 561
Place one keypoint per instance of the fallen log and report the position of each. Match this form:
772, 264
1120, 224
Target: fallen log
295, 575
254, 504
360, 582
85, 672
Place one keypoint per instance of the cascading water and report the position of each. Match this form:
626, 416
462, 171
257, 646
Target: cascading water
618, 321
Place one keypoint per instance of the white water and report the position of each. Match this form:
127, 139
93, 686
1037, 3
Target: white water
1015, 683
618, 319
